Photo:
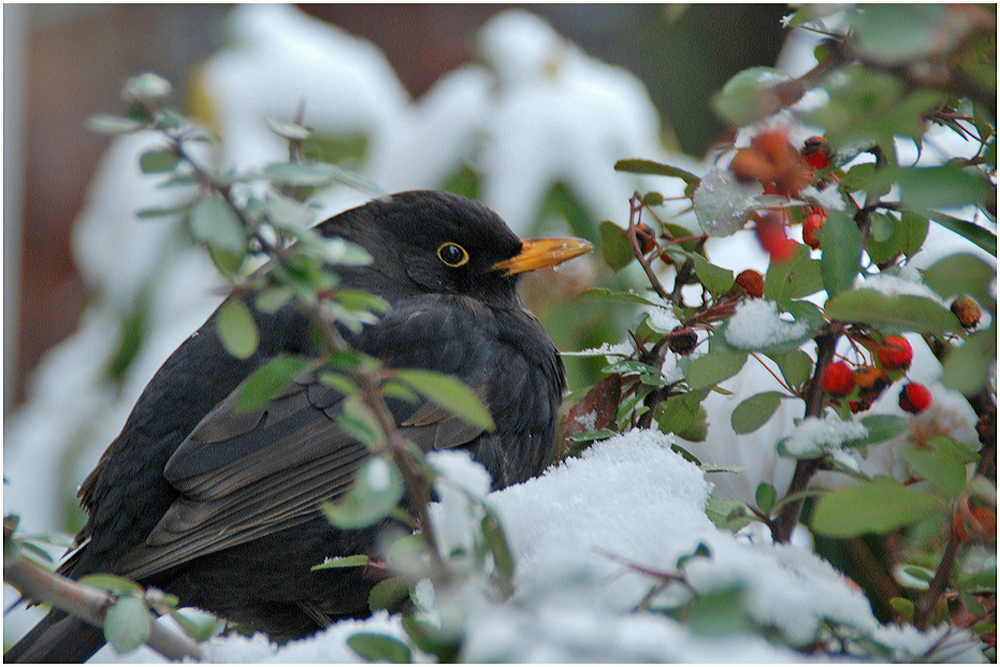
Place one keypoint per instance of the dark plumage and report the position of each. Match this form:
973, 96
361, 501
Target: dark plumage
219, 507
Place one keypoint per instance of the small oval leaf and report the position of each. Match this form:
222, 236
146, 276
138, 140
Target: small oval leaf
377, 647
374, 494
237, 329
127, 624
268, 381
448, 393
754, 412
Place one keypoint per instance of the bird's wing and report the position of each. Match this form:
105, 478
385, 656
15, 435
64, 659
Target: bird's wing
244, 475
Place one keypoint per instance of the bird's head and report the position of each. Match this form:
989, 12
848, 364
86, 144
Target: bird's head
437, 242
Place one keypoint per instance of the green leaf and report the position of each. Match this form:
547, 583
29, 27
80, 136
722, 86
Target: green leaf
376, 647
357, 420
237, 329
906, 312
269, 381
795, 366
162, 211
962, 273
728, 513
747, 96
947, 186
127, 624
905, 235
388, 593
678, 232
944, 471
904, 607
677, 412
889, 34
623, 297
301, 174
271, 300
503, 557
158, 162
716, 366
375, 493
697, 430
111, 583
287, 213
639, 166
765, 497
146, 85
357, 560
719, 613
716, 279
880, 428
754, 412
841, 252
213, 223
967, 368
981, 236
354, 299
108, 124
793, 279
287, 130
878, 506
448, 393
615, 246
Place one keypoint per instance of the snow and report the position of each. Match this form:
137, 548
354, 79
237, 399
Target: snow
906, 280
722, 204
814, 436
757, 325
573, 530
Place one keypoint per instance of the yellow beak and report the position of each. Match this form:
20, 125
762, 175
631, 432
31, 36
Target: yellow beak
539, 253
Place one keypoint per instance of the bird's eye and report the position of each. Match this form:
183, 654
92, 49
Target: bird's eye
452, 254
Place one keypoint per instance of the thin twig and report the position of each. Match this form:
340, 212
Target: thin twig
91, 605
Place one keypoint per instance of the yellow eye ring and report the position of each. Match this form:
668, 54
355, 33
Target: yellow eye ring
452, 254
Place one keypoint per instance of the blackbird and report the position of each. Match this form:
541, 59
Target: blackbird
220, 507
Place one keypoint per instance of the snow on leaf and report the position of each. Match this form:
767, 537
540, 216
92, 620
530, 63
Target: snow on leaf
722, 204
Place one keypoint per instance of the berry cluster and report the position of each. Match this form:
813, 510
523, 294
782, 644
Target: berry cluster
861, 385
782, 170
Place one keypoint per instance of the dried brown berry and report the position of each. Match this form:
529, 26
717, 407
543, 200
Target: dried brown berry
967, 311
752, 283
872, 381
646, 238
682, 340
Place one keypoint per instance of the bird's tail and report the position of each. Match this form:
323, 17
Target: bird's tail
58, 637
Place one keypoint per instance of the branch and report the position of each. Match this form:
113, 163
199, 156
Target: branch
90, 605
788, 517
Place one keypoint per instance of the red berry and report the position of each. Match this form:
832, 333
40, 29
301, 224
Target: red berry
838, 378
894, 353
812, 224
914, 398
816, 153
770, 231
